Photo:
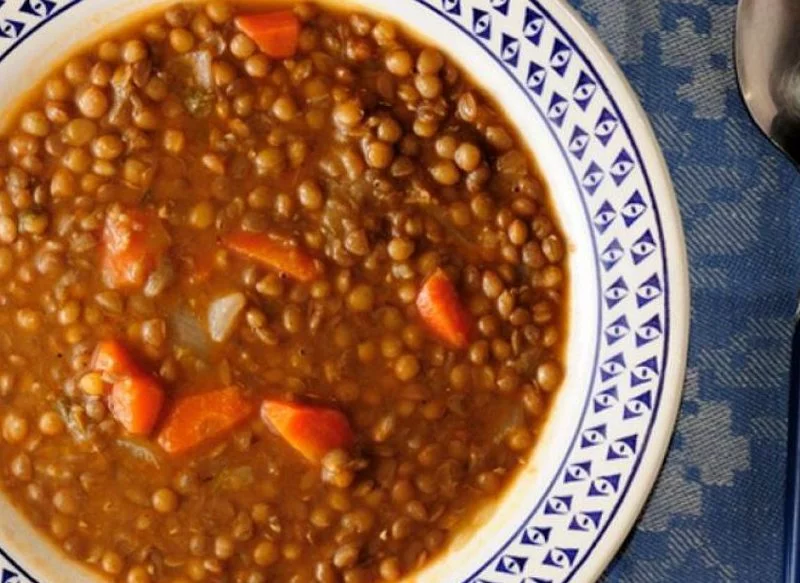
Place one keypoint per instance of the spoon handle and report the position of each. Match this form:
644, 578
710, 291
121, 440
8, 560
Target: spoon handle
791, 548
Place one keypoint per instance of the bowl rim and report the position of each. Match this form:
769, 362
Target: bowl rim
631, 504
608, 74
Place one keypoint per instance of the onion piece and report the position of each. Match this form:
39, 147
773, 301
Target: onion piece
193, 69
122, 87
192, 72
513, 420
187, 331
140, 450
160, 278
223, 315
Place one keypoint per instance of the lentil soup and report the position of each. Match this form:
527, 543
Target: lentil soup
282, 298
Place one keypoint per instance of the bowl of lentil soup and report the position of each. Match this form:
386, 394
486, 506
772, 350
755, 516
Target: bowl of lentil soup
306, 293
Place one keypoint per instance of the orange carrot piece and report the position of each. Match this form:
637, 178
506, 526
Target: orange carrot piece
274, 253
196, 419
135, 402
312, 431
133, 240
441, 310
111, 358
275, 33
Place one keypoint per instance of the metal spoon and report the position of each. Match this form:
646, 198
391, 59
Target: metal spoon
768, 67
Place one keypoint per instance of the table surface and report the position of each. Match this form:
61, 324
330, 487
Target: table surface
716, 511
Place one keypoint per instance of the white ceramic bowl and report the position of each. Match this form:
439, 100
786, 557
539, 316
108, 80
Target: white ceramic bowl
571, 507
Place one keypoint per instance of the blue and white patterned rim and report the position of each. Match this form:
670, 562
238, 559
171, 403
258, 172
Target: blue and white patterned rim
557, 538
619, 412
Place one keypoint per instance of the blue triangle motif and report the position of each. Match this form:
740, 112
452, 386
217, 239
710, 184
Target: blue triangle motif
593, 436
579, 472
501, 6
585, 521
578, 142
533, 26
584, 90
481, 23
535, 79
452, 7
536, 536
11, 28
622, 166
557, 109
612, 254
509, 50
605, 127
622, 448
649, 331
558, 505
592, 178
643, 247
604, 486
644, 372
612, 367
559, 557
560, 57
604, 216
638, 406
616, 292
605, 399
37, 7
648, 291
511, 564
617, 330
633, 209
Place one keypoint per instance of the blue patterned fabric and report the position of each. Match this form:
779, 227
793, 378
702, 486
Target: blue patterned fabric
716, 512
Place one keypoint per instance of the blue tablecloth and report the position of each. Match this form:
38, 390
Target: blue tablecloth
716, 512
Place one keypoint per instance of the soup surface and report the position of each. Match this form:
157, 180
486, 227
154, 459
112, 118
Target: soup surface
282, 299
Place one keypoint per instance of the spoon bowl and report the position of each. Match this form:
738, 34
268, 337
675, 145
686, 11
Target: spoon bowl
768, 68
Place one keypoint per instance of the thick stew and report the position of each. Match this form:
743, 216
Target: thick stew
282, 299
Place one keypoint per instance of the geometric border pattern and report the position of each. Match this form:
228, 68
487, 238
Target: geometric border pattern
612, 184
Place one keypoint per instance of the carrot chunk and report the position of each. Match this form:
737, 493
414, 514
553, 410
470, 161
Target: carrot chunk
275, 33
441, 310
133, 240
274, 253
196, 419
135, 402
112, 359
136, 398
312, 431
